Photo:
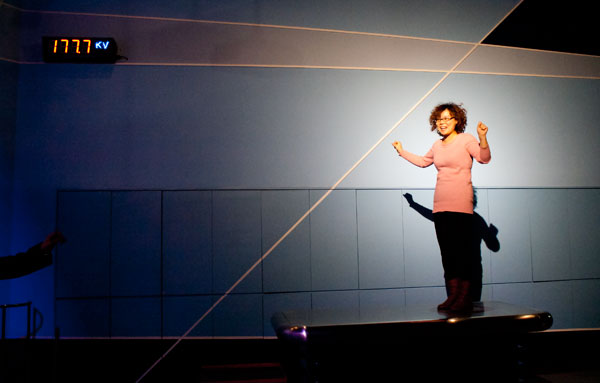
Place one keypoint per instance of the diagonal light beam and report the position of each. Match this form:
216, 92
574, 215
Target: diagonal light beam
329, 191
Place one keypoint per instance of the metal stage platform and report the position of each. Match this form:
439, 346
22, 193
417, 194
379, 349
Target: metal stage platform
390, 342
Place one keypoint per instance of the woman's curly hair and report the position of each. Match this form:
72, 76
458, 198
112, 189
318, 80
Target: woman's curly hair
456, 110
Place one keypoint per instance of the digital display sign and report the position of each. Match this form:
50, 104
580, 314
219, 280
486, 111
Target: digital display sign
79, 49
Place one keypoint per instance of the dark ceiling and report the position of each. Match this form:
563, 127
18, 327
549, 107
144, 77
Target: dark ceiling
562, 26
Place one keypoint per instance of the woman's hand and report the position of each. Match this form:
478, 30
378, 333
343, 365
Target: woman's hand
398, 146
52, 240
482, 131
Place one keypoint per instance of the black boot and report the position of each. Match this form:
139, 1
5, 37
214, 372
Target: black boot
452, 291
463, 302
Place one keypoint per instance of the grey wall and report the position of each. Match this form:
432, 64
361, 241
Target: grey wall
270, 95
360, 248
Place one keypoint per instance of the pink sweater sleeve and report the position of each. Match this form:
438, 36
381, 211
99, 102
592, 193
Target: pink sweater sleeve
421, 161
482, 156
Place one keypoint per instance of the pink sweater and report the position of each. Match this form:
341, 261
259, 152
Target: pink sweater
453, 190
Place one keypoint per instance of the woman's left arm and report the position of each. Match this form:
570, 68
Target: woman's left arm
480, 150
482, 130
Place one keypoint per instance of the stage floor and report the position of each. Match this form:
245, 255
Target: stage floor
328, 344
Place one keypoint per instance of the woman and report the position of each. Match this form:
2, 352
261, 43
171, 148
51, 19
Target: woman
453, 156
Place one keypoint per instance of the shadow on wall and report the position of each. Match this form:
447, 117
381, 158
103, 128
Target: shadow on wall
482, 232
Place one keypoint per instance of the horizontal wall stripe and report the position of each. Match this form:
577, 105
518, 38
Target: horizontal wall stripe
537, 50
5, 59
158, 64
235, 23
532, 62
162, 41
165, 41
528, 75
431, 19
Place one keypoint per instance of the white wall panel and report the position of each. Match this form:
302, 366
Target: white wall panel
583, 221
288, 267
187, 242
509, 212
550, 251
380, 238
334, 254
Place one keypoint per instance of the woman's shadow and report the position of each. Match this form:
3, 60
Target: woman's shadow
481, 232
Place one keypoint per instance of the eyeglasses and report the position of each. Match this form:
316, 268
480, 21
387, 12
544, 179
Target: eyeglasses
440, 120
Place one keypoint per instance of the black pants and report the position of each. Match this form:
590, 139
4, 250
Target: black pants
454, 233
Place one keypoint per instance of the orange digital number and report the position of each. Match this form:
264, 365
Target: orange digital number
86, 48
77, 47
89, 43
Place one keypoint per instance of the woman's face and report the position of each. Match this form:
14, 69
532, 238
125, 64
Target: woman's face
446, 123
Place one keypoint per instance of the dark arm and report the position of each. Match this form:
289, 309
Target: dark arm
21, 264
34, 259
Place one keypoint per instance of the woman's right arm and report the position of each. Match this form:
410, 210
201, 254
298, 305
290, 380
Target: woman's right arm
421, 161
